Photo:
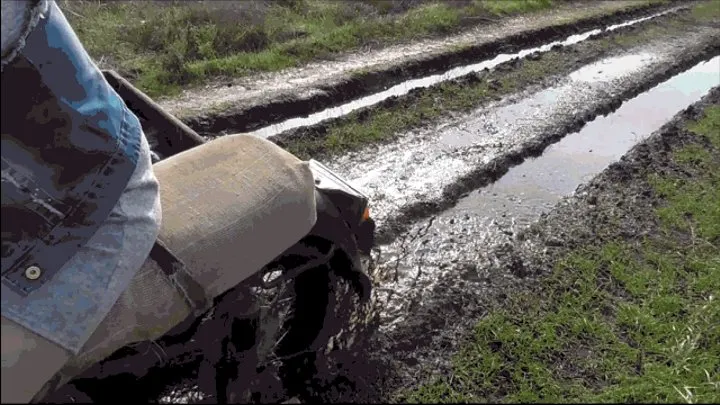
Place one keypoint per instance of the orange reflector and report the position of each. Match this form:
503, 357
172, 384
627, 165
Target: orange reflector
366, 214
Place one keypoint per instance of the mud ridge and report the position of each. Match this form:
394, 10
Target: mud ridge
482, 176
319, 130
428, 339
254, 117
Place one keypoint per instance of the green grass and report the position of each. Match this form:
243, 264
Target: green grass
630, 320
164, 45
500, 7
710, 126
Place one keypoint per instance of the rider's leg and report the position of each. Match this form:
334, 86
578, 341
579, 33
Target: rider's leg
135, 221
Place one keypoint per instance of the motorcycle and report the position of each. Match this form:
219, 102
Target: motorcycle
273, 326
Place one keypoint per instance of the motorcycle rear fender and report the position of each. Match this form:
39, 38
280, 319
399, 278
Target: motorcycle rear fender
348, 206
343, 219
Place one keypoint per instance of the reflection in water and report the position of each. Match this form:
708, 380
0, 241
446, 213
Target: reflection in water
611, 68
537, 184
420, 165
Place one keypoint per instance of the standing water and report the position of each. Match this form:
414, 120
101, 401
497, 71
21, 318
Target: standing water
537, 184
409, 268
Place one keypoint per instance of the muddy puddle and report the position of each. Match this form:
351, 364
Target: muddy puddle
407, 86
604, 71
494, 214
537, 184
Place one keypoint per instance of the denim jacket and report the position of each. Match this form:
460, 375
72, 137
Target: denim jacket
69, 147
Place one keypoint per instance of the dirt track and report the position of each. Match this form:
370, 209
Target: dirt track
438, 269
452, 267
442, 262
427, 171
428, 340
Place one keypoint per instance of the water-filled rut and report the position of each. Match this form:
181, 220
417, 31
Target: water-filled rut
537, 184
491, 216
254, 102
421, 166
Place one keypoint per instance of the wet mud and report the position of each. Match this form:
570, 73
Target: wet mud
504, 144
442, 274
304, 102
495, 214
451, 264
423, 345
537, 184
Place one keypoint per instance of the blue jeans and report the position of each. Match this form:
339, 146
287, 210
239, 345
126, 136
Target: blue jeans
67, 307
48, 327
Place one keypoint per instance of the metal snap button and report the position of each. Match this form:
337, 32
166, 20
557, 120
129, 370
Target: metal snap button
33, 273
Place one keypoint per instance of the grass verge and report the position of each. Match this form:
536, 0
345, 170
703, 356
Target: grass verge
385, 121
632, 319
163, 45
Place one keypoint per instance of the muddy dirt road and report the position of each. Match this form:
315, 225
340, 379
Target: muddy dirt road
631, 226
452, 198
454, 195
460, 165
408, 86
492, 215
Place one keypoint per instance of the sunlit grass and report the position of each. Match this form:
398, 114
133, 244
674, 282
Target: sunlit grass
622, 321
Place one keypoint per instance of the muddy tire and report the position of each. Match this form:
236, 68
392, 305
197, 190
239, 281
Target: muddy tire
323, 324
252, 346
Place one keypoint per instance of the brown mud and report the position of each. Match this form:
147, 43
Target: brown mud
422, 346
244, 118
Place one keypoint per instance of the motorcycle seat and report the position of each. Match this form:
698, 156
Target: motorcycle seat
229, 207
233, 205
